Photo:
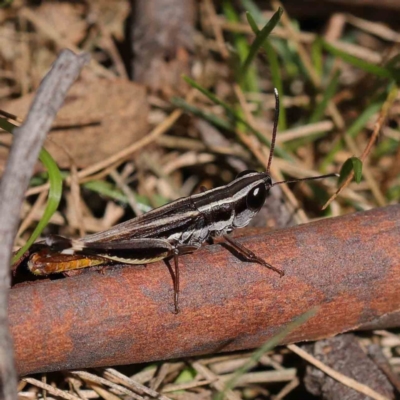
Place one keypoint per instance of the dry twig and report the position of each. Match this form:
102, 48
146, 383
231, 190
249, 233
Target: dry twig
28, 140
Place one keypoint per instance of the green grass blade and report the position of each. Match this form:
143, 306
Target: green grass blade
209, 95
250, 81
219, 122
330, 91
359, 124
252, 23
376, 70
280, 45
316, 56
269, 345
260, 39
275, 69
7, 126
276, 80
109, 190
53, 200
106, 189
55, 191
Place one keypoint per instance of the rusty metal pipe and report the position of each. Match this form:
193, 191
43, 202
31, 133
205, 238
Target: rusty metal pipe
348, 266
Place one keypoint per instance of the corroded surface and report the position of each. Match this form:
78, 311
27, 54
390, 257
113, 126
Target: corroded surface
348, 266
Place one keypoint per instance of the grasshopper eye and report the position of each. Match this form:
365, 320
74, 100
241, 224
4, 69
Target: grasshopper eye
245, 172
256, 197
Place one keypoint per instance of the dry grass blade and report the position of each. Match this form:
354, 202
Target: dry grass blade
86, 376
216, 27
162, 373
127, 191
377, 29
263, 377
287, 389
51, 389
305, 130
131, 383
217, 383
103, 393
185, 386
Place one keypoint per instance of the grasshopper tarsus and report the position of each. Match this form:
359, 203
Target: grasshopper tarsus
176, 305
281, 272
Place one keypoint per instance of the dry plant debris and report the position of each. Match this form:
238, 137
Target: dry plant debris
125, 149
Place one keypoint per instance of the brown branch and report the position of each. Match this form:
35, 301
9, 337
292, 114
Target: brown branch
28, 140
348, 266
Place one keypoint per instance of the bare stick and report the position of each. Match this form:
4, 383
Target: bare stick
28, 140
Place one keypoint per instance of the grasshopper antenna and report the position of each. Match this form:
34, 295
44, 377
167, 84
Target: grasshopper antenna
272, 147
276, 120
311, 178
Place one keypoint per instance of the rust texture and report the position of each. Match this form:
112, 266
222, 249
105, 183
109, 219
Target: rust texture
348, 266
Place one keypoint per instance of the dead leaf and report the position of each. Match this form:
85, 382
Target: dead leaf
98, 119
66, 18
112, 16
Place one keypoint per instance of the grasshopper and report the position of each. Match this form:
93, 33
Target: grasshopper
167, 232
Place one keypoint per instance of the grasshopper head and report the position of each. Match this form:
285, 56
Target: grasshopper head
249, 192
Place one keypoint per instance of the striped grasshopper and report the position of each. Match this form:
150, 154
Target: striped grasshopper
172, 230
